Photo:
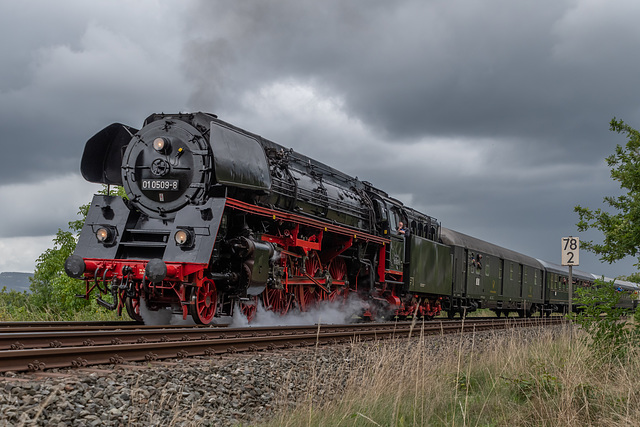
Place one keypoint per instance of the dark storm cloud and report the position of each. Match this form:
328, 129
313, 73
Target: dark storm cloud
554, 71
70, 69
490, 115
516, 97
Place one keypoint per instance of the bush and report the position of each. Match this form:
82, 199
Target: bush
608, 332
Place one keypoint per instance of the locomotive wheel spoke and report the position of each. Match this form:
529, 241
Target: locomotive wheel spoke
312, 264
249, 308
337, 293
276, 300
204, 300
338, 269
307, 297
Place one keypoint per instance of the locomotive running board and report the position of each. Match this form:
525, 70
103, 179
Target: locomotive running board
299, 219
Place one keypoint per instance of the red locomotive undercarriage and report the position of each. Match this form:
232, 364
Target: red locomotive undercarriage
310, 269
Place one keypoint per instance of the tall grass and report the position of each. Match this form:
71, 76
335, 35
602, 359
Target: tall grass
523, 377
29, 313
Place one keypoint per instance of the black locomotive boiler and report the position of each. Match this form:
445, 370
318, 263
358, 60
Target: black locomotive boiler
217, 219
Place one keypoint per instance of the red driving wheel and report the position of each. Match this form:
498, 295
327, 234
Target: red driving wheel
307, 297
276, 300
204, 300
338, 269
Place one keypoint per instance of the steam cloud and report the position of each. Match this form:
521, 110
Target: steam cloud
326, 313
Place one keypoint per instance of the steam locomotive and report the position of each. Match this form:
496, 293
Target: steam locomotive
218, 219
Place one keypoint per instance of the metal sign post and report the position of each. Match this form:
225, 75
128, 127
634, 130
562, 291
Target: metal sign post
570, 257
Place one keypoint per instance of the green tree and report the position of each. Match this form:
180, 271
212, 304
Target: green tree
51, 289
604, 320
621, 227
620, 224
12, 302
633, 277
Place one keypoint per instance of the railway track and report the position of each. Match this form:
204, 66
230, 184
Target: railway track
47, 327
65, 346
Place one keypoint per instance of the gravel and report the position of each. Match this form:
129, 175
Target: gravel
222, 391
218, 391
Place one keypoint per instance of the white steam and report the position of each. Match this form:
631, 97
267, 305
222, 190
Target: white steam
164, 316
326, 313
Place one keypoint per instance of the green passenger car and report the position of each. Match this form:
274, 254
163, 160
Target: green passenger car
489, 276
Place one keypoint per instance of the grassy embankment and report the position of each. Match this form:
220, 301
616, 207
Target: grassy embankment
26, 313
503, 379
484, 379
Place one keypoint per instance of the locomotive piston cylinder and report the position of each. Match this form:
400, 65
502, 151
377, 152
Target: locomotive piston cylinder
257, 263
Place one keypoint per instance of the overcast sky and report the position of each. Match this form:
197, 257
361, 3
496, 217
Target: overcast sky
490, 115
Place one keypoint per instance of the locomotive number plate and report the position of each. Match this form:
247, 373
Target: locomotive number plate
160, 184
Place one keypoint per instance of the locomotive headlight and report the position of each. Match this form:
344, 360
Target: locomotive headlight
160, 145
183, 237
102, 235
105, 235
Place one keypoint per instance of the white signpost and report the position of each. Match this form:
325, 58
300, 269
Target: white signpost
570, 257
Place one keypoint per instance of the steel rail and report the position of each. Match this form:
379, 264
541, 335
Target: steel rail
136, 326
76, 338
18, 327
58, 324
259, 339
19, 338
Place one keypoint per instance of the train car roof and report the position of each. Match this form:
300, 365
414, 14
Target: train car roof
454, 238
624, 284
563, 269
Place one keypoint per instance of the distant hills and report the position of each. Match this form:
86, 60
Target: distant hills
15, 281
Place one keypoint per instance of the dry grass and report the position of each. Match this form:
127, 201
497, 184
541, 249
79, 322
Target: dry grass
529, 378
